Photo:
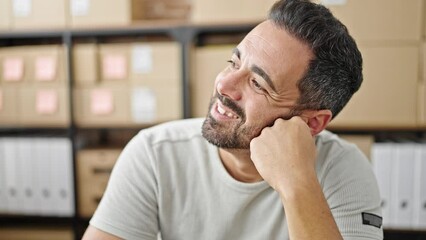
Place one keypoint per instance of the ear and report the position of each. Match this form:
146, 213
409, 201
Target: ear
318, 120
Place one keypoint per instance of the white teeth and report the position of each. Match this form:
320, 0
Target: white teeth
223, 112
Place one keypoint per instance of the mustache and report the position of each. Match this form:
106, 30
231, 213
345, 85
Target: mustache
231, 105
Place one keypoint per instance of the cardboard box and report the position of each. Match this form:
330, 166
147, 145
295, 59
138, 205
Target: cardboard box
143, 63
85, 64
9, 107
95, 13
363, 142
388, 95
106, 106
421, 107
44, 107
14, 64
115, 63
229, 11
93, 171
380, 19
28, 14
47, 65
207, 63
101, 106
150, 105
5, 18
422, 88
164, 9
36, 233
159, 63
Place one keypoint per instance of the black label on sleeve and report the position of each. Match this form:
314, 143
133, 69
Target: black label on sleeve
372, 220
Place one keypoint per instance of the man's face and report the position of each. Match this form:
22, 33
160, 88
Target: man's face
257, 87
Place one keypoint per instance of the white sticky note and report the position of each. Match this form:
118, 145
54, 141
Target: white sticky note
144, 105
13, 69
333, 2
22, 8
47, 102
142, 60
114, 67
45, 68
80, 7
101, 102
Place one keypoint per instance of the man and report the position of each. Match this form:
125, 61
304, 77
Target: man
261, 167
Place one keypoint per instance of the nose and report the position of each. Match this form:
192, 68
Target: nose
230, 85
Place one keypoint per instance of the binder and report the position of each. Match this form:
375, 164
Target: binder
26, 170
382, 157
42, 177
62, 177
419, 217
12, 176
403, 183
3, 199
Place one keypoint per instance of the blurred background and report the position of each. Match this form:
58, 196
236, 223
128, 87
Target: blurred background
79, 78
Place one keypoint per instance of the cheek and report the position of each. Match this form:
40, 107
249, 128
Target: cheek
257, 108
260, 112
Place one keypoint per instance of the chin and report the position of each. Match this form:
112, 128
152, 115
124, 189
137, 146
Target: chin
225, 135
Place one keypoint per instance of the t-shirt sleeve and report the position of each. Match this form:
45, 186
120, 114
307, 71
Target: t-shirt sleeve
351, 190
128, 208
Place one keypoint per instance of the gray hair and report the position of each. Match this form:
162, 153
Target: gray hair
335, 73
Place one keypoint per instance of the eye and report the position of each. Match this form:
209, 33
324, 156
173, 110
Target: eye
257, 86
233, 64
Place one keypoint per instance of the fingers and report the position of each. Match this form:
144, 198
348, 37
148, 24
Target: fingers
300, 118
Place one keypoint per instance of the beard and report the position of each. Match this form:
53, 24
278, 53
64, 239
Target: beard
229, 135
235, 134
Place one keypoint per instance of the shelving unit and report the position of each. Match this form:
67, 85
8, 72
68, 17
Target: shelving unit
187, 35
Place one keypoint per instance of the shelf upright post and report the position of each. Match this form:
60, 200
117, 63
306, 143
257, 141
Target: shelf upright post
185, 35
67, 41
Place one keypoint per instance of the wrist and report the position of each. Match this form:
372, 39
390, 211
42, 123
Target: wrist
296, 187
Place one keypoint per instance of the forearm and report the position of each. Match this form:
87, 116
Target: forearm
307, 212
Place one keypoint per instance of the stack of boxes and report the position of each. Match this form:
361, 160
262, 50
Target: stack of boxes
127, 84
388, 33
34, 87
94, 167
27, 14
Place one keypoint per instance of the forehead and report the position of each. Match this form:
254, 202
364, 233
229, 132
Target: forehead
283, 57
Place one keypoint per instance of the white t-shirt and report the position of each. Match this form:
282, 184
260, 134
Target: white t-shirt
169, 179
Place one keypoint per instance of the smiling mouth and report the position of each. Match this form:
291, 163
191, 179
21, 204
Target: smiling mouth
222, 111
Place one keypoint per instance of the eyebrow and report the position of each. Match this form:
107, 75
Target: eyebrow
256, 69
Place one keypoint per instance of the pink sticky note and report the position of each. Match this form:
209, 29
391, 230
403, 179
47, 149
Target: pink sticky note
13, 69
101, 102
46, 101
45, 68
114, 67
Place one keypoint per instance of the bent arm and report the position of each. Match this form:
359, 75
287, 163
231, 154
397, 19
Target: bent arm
284, 155
93, 233
307, 211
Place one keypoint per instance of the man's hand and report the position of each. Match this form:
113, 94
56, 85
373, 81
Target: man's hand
285, 153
